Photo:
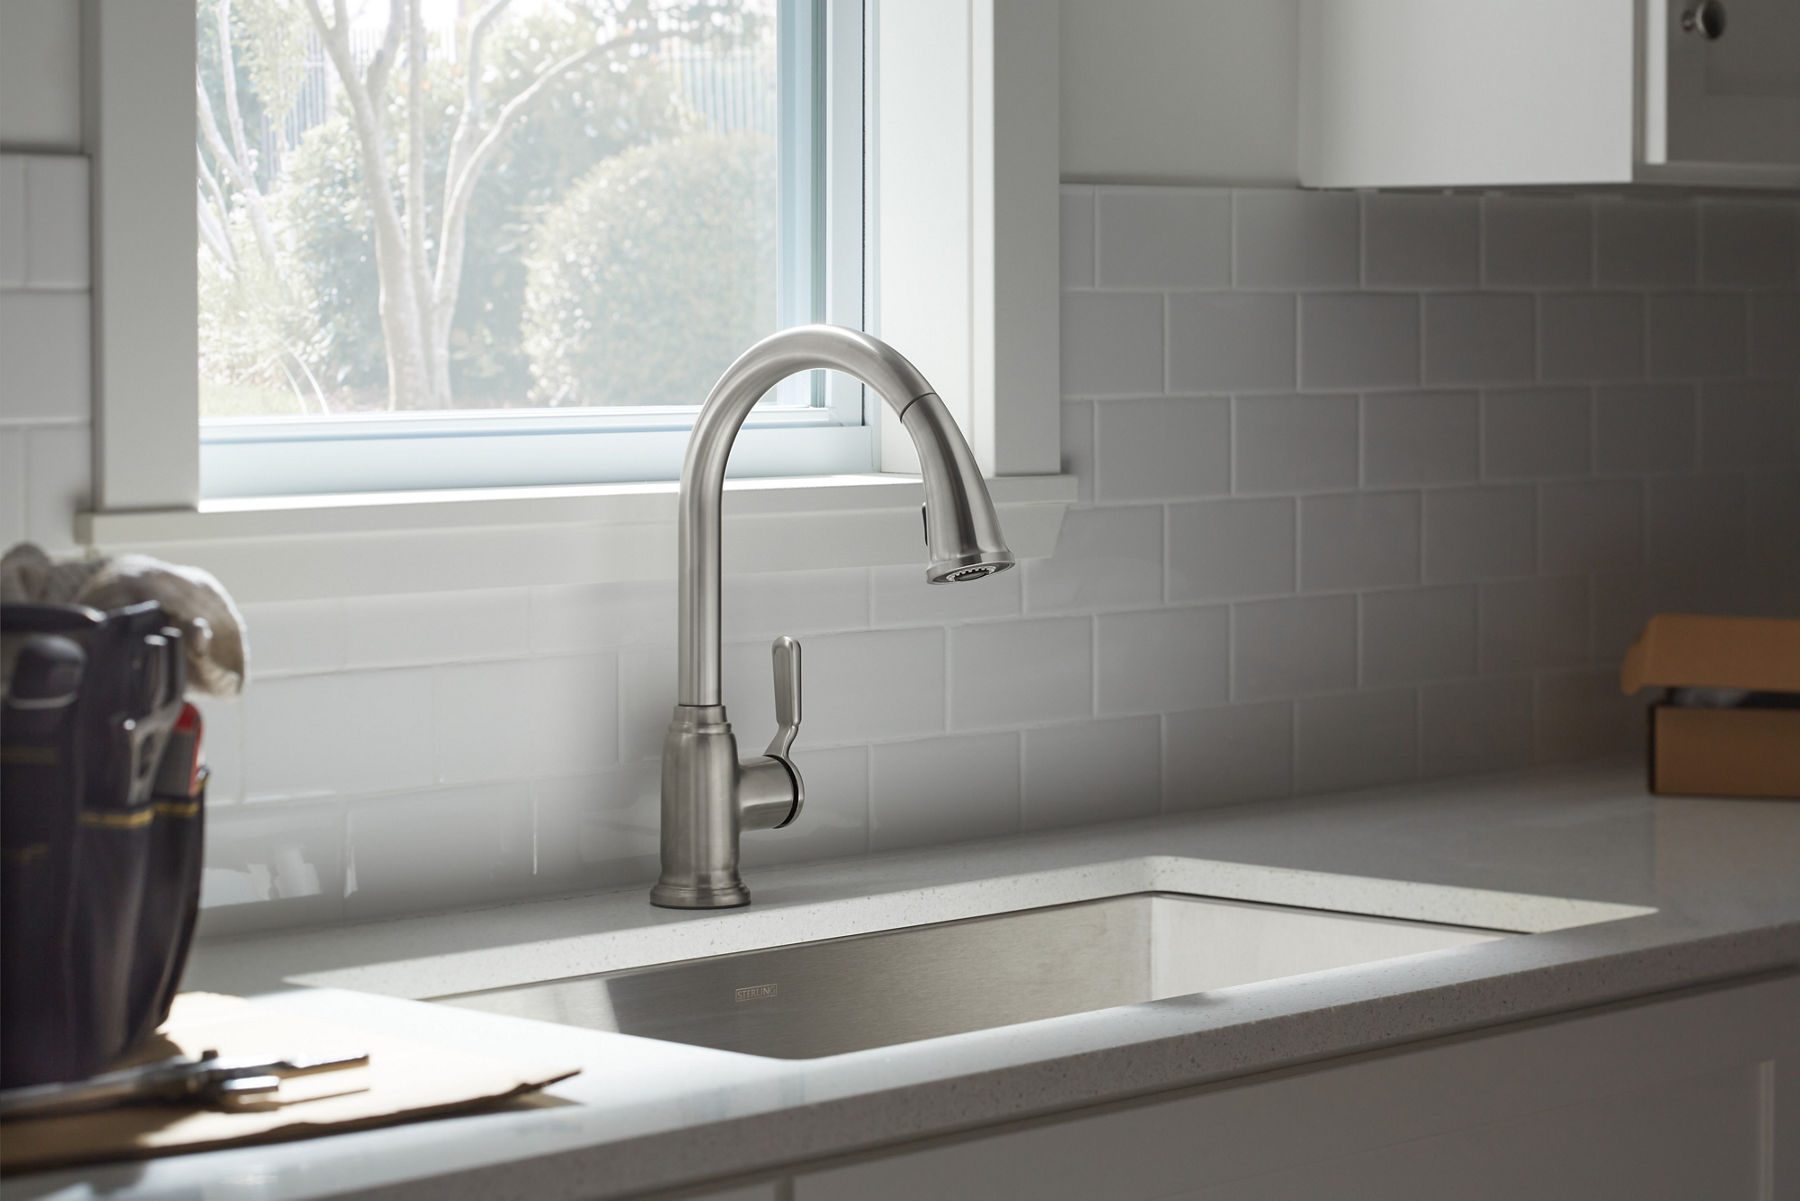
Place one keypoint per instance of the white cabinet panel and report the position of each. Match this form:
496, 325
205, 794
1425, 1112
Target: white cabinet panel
1687, 1139
1420, 93
1676, 1098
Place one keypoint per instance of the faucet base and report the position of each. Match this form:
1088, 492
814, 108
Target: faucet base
684, 896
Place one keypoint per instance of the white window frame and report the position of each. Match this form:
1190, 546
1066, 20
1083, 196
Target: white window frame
963, 141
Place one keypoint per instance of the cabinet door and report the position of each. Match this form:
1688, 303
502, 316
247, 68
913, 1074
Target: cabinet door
1672, 1100
1731, 92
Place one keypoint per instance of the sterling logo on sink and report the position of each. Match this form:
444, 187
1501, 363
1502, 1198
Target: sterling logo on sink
756, 992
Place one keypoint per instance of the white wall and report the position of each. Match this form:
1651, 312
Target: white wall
40, 74
1180, 90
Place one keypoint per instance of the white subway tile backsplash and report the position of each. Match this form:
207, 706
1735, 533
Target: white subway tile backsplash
1533, 242
599, 831
1020, 673
269, 866
56, 207
1077, 237
383, 733
1590, 526
1479, 533
1532, 624
294, 637
832, 687
805, 602
1164, 238
1283, 648
1750, 424
13, 236
1748, 244
44, 350
483, 722
13, 485
1078, 446
1231, 342
647, 693
1295, 239
574, 714
1417, 634
1112, 343
1774, 499
573, 618
293, 735
435, 627
1163, 449
1536, 433
1621, 605
1231, 549
1479, 338
859, 687
901, 597
1359, 540
1774, 342
1294, 443
1581, 715
1105, 559
1162, 660
450, 846
1471, 726
1227, 756
1641, 429
1421, 241
943, 790
1355, 741
1421, 438
1646, 244
1697, 335
1362, 340
1092, 772
1698, 521
1591, 337
59, 483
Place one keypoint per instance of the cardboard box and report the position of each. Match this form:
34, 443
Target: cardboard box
1751, 749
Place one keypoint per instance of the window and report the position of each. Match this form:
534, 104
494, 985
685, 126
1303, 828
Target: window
961, 247
448, 245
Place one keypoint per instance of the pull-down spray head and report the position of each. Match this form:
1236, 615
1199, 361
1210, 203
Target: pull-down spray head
962, 534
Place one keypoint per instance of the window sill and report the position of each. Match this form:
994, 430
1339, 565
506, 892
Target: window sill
299, 548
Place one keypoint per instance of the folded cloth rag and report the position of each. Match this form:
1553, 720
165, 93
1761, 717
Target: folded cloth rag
212, 628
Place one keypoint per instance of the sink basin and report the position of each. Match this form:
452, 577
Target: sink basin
873, 990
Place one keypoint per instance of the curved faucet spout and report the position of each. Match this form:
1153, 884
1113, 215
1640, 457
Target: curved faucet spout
962, 532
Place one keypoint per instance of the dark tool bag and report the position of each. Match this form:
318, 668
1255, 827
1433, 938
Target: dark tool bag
99, 875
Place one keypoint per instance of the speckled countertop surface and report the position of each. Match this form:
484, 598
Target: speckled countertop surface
1624, 894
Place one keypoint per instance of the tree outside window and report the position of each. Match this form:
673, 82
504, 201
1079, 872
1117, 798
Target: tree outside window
426, 205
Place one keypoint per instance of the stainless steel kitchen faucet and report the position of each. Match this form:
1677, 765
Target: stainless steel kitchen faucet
708, 796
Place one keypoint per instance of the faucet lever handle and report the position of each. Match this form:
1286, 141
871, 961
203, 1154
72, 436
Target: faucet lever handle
786, 654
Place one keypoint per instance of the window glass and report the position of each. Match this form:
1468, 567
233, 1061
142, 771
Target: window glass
452, 207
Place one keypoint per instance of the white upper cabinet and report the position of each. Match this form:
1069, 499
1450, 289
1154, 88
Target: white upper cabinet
1471, 93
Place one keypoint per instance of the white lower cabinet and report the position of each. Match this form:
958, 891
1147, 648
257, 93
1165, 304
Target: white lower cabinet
1694, 1097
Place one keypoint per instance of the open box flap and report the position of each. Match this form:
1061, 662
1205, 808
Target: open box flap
1758, 654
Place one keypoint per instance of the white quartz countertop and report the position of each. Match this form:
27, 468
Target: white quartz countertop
1624, 895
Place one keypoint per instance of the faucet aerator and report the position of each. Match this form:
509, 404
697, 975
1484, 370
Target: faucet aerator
961, 571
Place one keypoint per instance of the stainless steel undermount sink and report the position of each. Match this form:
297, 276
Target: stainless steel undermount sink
874, 990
